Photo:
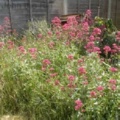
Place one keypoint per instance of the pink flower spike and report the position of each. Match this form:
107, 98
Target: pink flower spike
88, 13
43, 68
32, 50
113, 87
92, 38
56, 21
81, 70
70, 57
113, 69
107, 49
112, 81
72, 21
39, 35
97, 50
46, 62
22, 49
78, 105
118, 36
49, 33
6, 19
85, 26
100, 88
93, 94
53, 74
96, 31
65, 27
51, 44
71, 77
51, 69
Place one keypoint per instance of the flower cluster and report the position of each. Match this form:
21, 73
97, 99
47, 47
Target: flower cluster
78, 105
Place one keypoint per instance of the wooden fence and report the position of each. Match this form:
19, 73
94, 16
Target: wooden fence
22, 11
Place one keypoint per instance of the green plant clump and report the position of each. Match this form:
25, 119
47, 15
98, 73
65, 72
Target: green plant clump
58, 73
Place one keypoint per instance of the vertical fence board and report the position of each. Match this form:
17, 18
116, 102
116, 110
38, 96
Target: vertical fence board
4, 10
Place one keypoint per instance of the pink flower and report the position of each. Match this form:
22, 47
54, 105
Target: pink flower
79, 34
71, 77
107, 49
80, 60
32, 50
51, 44
78, 105
81, 70
115, 48
53, 74
51, 69
96, 31
85, 26
58, 33
49, 33
34, 56
71, 85
6, 22
113, 51
89, 47
67, 43
10, 44
100, 88
56, 21
88, 13
112, 81
70, 57
43, 68
97, 50
92, 38
22, 49
118, 36
113, 69
72, 20
46, 62
93, 94
72, 34
113, 87
39, 35
6, 19
65, 27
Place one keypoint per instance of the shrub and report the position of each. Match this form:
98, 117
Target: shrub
47, 77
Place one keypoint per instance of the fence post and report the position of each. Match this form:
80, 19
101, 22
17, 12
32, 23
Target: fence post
30, 3
78, 6
47, 10
99, 8
10, 15
109, 8
65, 7
89, 4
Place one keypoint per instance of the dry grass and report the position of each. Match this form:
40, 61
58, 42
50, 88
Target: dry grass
8, 117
